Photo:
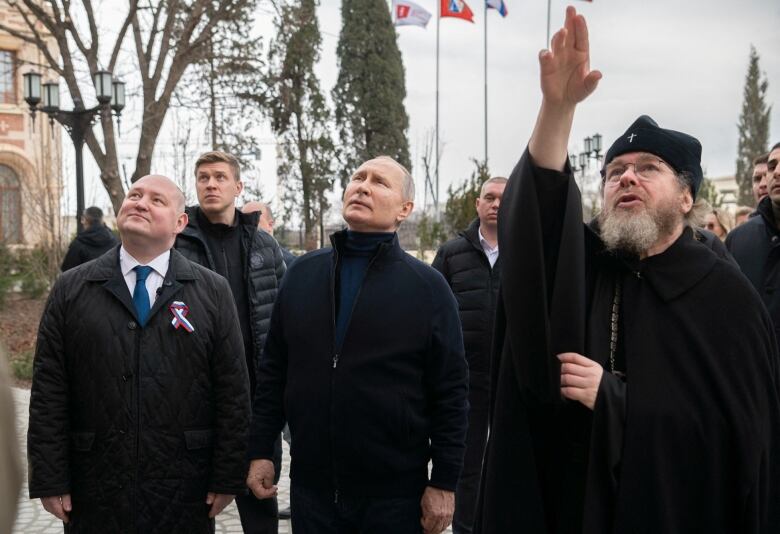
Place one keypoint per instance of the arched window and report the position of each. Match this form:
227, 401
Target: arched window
10, 206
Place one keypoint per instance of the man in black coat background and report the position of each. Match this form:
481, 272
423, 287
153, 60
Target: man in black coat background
139, 407
755, 244
626, 397
227, 241
471, 265
92, 242
365, 361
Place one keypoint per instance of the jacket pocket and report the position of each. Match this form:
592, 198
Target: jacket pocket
82, 441
199, 439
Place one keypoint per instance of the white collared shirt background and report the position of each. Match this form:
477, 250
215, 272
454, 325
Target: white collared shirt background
155, 279
491, 253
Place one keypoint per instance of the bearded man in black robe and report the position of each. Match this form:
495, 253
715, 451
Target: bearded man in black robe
629, 397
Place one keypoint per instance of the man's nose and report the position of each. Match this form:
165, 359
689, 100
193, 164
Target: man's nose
627, 178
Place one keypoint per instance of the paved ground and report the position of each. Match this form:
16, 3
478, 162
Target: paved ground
33, 519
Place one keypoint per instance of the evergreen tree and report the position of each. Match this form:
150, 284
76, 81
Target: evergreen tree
461, 207
370, 90
228, 85
753, 128
300, 116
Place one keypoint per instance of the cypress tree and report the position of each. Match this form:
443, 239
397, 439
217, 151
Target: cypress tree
370, 90
300, 116
753, 128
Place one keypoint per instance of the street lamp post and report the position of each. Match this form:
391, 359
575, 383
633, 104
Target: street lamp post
110, 95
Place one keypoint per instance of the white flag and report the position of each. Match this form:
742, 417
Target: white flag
408, 13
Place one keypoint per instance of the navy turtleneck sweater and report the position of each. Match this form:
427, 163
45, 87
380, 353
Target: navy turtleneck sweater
359, 248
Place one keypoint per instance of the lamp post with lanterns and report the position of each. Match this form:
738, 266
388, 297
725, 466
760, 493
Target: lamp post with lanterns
110, 95
580, 163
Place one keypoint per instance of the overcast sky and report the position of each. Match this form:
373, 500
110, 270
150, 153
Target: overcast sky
681, 62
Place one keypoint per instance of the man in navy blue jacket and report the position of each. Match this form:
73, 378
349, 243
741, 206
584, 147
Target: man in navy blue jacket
365, 360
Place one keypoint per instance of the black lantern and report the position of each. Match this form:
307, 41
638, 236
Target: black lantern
32, 88
51, 97
102, 81
118, 96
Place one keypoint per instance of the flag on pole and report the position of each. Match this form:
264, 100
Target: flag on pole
499, 6
410, 14
457, 9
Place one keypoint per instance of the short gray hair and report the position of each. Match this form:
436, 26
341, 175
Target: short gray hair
493, 180
407, 190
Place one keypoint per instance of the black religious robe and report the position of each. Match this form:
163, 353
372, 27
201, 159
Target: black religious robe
687, 441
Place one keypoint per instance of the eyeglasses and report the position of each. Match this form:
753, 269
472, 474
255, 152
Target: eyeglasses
645, 167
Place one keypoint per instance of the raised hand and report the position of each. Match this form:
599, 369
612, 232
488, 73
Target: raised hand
566, 77
566, 80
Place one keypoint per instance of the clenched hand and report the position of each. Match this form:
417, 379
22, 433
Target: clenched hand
437, 508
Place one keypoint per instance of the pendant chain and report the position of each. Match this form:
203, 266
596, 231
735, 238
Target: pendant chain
614, 326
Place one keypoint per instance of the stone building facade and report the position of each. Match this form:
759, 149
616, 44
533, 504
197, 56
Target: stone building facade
30, 151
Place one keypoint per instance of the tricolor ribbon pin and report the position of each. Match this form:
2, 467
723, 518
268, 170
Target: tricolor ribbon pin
180, 311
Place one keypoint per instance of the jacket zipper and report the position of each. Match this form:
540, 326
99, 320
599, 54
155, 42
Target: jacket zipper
336, 354
333, 374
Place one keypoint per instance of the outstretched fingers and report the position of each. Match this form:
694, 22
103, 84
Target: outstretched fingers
580, 32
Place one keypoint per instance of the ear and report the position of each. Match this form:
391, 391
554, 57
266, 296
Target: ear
476, 203
181, 223
406, 210
687, 201
240, 186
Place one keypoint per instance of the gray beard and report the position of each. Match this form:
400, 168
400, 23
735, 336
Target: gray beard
635, 233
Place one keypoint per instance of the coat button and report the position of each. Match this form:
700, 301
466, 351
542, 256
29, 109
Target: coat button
774, 238
132, 325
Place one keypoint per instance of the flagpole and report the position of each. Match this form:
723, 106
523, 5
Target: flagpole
547, 42
438, 19
486, 86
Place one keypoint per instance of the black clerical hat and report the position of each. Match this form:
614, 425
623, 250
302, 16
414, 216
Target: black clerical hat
680, 150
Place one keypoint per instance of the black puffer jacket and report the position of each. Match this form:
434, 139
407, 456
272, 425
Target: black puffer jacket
91, 243
138, 424
475, 285
755, 246
265, 267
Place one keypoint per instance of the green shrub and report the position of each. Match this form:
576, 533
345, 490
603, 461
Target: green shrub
22, 366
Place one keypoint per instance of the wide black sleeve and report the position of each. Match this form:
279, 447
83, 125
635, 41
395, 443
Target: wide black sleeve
47, 436
609, 419
267, 406
446, 379
541, 237
230, 380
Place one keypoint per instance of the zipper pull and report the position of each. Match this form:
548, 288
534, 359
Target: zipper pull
336, 497
335, 363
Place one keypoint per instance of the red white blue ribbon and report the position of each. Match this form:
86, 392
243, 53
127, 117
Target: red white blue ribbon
180, 311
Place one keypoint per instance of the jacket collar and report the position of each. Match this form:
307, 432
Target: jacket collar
678, 268
389, 251
243, 220
765, 211
471, 234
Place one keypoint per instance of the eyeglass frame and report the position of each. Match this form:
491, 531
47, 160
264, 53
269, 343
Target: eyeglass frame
648, 157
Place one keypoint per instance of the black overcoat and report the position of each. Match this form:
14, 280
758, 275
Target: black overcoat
138, 424
688, 443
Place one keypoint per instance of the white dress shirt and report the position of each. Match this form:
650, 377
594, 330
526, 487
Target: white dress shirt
155, 279
490, 252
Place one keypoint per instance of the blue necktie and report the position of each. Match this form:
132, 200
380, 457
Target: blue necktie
140, 294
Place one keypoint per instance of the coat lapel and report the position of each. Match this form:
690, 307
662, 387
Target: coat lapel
106, 269
179, 269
